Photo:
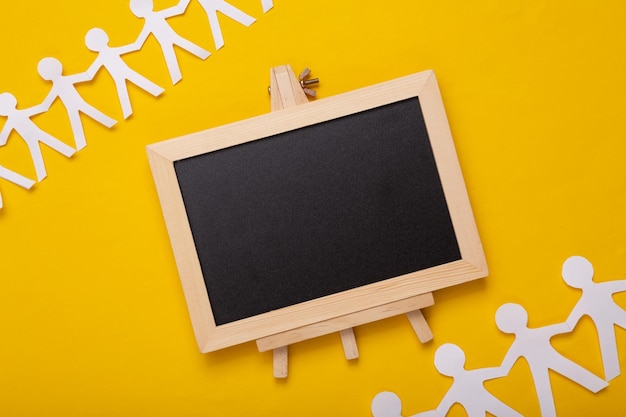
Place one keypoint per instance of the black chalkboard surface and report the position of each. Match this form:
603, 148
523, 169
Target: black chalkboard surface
299, 216
340, 204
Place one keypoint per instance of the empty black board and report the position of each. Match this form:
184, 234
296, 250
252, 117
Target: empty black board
317, 211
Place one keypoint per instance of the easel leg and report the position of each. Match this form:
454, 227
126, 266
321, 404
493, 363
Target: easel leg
424, 334
281, 362
348, 340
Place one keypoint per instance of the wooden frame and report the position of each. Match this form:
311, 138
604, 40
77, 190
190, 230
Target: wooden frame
211, 337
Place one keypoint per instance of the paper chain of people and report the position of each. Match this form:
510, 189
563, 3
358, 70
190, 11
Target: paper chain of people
109, 58
534, 345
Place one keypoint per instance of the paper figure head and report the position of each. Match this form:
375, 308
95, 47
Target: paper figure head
96, 39
449, 359
50, 68
386, 404
141, 8
511, 317
577, 271
8, 102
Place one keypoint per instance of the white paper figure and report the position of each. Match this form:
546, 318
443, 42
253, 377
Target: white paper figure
534, 345
19, 120
386, 404
51, 69
111, 59
267, 5
468, 389
211, 7
15, 178
597, 303
156, 24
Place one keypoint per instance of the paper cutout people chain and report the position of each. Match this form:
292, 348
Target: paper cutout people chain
156, 24
468, 389
51, 69
597, 303
534, 345
15, 178
19, 120
109, 58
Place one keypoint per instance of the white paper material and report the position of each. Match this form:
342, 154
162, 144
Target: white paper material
110, 58
468, 389
51, 69
156, 24
15, 178
597, 302
19, 120
211, 7
267, 5
386, 404
431, 413
534, 345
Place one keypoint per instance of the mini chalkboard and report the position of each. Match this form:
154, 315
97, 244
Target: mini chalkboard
317, 212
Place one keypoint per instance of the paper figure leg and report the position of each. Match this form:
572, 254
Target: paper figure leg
544, 392
145, 84
211, 9
16, 178
267, 4
122, 94
172, 63
98, 116
577, 373
192, 48
77, 129
218, 39
55, 144
608, 350
37, 157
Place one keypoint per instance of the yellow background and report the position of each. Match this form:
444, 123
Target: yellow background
92, 317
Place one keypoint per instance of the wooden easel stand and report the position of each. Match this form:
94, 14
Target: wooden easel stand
286, 91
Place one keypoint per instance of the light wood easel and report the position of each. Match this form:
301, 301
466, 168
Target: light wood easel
287, 91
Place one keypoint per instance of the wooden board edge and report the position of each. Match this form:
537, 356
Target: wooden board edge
181, 241
344, 322
451, 175
296, 117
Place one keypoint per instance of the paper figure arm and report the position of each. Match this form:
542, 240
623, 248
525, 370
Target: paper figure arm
509, 360
577, 312
180, 8
141, 39
39, 108
52, 95
446, 403
131, 47
559, 328
614, 286
485, 374
81, 77
94, 67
